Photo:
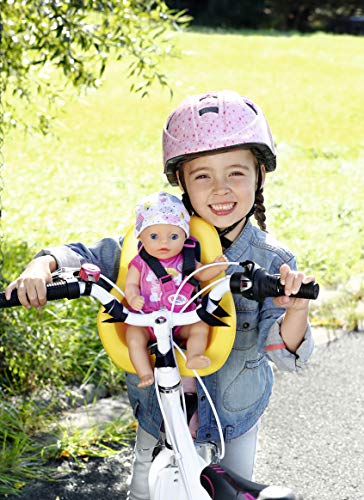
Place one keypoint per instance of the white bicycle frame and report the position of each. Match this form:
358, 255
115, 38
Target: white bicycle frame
176, 470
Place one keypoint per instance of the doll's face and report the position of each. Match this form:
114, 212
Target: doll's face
163, 241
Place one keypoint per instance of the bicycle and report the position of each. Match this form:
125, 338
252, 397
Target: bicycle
179, 470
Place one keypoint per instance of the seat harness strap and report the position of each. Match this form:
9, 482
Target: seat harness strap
191, 253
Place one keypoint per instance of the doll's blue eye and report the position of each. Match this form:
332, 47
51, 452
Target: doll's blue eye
153, 236
174, 236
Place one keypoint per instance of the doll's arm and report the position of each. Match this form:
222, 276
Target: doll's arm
132, 289
211, 272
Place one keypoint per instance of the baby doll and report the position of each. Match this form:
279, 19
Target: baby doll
162, 226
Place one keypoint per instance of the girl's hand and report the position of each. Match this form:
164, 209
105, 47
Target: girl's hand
292, 281
31, 284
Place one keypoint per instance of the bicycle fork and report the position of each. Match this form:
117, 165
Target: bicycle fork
176, 470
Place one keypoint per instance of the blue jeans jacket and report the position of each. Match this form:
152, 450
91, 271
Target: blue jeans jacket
242, 387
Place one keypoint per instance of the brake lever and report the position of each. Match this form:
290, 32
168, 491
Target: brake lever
87, 273
65, 273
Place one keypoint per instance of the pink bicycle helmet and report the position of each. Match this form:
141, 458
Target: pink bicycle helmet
213, 121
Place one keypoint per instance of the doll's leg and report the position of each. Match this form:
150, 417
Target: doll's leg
137, 340
196, 335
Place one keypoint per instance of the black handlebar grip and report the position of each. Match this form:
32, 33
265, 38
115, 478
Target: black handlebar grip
12, 302
55, 291
271, 286
257, 284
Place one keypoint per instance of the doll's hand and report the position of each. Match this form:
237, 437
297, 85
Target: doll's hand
292, 281
137, 302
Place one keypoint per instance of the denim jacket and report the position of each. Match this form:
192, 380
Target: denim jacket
242, 387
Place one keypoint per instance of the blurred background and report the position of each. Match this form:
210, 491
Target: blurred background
305, 17
86, 89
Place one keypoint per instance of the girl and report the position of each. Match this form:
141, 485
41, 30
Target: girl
218, 148
162, 227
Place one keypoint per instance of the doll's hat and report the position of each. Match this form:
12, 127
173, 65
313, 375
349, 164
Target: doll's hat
161, 208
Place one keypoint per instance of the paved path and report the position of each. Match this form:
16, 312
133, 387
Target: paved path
312, 435
311, 438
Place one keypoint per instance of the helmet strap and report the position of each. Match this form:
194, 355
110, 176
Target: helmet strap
227, 230
187, 203
225, 242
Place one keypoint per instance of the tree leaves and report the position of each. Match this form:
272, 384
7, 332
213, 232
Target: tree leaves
77, 38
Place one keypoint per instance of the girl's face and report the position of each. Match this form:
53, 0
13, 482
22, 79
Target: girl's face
163, 241
222, 186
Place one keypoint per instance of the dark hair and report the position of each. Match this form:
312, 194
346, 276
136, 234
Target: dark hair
259, 212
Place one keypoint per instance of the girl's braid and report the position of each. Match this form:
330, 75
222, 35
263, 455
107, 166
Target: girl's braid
259, 212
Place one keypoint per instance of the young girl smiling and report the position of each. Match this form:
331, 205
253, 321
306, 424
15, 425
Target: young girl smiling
218, 148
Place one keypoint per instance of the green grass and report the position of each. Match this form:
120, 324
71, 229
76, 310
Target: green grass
21, 453
95, 441
81, 184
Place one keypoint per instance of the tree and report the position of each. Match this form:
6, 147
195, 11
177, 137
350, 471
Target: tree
77, 38
223, 13
298, 15
311, 15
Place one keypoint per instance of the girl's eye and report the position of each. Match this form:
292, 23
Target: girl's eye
174, 237
200, 176
153, 236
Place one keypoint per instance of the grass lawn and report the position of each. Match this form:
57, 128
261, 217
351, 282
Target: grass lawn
83, 184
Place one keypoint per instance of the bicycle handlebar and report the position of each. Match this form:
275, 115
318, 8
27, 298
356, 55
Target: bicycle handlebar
265, 285
253, 283
64, 289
